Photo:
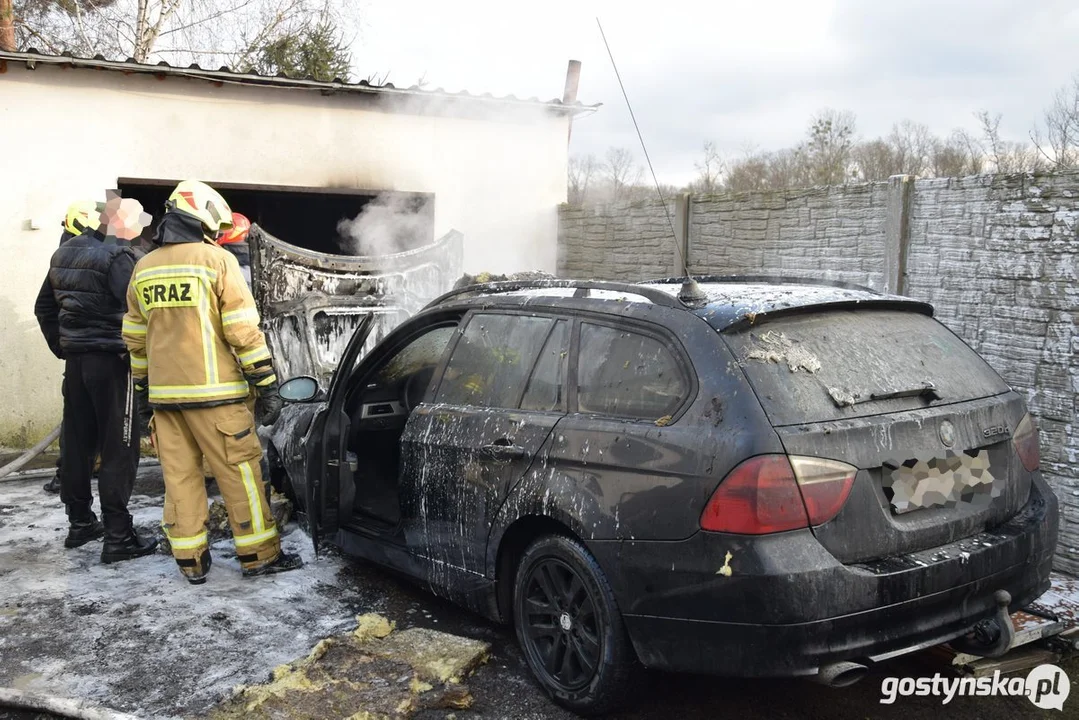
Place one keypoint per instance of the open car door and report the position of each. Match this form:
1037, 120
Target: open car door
330, 485
321, 313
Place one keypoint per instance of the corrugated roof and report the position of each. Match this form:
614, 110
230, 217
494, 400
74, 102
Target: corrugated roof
283, 81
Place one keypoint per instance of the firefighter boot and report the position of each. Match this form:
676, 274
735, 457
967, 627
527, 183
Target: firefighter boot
282, 563
197, 568
123, 542
84, 528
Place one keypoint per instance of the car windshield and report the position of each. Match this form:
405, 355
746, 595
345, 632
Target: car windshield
835, 364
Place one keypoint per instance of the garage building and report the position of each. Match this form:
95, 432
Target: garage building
297, 156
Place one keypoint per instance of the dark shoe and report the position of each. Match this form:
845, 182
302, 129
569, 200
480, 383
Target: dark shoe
83, 531
282, 563
128, 547
196, 569
53, 486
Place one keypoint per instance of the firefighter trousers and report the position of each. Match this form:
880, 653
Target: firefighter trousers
225, 436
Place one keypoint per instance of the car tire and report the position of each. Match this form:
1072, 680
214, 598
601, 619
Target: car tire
566, 619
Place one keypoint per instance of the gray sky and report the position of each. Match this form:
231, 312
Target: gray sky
738, 73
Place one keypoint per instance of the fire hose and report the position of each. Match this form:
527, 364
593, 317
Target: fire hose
30, 454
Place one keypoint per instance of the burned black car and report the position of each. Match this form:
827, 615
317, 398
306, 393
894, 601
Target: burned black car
754, 479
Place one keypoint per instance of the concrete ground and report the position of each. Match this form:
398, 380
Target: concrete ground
135, 637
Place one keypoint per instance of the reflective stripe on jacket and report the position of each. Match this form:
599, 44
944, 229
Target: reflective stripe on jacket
192, 327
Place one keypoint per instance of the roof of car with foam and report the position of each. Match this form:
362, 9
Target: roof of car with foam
724, 302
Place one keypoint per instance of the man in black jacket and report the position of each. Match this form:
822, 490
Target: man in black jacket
80, 310
81, 216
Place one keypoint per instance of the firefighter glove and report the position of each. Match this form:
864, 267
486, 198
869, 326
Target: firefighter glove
268, 404
142, 397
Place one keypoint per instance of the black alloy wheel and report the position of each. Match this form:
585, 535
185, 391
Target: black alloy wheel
561, 623
570, 628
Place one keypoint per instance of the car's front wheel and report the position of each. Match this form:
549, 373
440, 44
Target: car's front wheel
569, 626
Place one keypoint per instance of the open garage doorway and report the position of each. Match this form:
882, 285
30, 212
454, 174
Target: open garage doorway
338, 221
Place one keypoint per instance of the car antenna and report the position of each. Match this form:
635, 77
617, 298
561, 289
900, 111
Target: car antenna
691, 292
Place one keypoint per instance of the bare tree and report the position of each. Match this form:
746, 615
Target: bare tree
749, 172
621, 172
210, 32
827, 151
912, 144
1058, 140
874, 160
581, 170
709, 170
786, 169
959, 155
7, 26
1006, 156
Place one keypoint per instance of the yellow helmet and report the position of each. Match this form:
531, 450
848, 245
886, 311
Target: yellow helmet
83, 215
203, 202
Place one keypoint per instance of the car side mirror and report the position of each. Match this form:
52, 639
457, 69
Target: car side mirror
300, 389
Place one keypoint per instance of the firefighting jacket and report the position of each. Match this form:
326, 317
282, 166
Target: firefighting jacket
191, 325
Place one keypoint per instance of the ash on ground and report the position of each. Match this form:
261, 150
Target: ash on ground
135, 636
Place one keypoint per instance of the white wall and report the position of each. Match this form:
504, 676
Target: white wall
70, 133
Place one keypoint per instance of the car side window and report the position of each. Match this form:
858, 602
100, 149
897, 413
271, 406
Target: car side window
547, 387
421, 353
627, 374
491, 362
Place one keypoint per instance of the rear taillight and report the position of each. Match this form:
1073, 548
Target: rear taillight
825, 485
1025, 439
774, 493
759, 496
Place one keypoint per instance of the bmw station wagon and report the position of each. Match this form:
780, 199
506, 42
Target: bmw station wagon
754, 478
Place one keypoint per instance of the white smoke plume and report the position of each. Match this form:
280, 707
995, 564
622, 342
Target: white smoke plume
389, 224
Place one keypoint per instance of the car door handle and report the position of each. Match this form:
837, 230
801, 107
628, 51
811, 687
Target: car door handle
502, 451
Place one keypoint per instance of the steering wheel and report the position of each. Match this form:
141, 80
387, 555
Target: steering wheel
414, 388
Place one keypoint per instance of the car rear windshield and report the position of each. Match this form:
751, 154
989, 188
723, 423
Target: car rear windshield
839, 364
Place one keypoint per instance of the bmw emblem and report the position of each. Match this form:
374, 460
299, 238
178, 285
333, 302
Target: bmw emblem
947, 433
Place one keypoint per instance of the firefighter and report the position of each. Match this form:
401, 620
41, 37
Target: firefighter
235, 241
81, 216
80, 310
196, 349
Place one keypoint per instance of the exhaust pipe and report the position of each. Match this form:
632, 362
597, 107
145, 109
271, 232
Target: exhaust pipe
840, 674
992, 637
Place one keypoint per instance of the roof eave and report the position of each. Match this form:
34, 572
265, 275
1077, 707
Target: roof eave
224, 76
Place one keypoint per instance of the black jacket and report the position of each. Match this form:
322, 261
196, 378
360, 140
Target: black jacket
242, 251
82, 302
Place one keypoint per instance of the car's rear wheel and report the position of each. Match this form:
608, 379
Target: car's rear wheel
569, 626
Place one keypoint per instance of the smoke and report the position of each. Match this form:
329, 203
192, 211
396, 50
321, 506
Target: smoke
391, 223
496, 173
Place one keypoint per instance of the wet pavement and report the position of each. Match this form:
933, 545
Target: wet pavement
159, 649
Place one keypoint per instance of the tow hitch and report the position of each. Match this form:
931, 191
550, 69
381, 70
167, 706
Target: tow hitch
992, 637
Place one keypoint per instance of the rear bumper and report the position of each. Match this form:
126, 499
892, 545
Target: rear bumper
787, 607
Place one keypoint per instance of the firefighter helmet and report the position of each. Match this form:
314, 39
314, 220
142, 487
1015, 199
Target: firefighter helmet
201, 201
238, 232
83, 215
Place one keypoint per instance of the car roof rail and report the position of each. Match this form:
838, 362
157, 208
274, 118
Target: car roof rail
654, 295
765, 279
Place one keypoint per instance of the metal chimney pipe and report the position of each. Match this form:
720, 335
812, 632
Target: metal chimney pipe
569, 95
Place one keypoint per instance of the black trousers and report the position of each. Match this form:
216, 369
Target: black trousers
99, 416
60, 457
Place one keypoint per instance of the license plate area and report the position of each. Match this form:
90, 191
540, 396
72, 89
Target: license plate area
948, 481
